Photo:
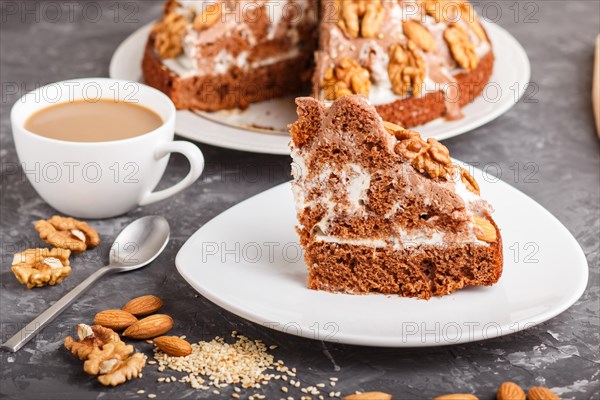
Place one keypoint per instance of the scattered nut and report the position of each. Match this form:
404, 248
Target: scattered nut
122, 371
67, 233
173, 346
541, 393
90, 338
457, 396
41, 267
149, 327
114, 319
510, 391
369, 396
101, 360
143, 305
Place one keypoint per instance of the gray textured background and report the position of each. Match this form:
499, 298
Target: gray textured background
553, 129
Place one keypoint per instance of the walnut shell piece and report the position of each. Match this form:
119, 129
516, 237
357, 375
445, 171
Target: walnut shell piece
90, 338
121, 371
348, 77
360, 17
67, 233
461, 47
406, 69
41, 267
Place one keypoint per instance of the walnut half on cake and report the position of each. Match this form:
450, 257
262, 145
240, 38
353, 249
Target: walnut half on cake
382, 210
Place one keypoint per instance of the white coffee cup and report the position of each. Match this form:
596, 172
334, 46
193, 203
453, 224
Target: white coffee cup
100, 179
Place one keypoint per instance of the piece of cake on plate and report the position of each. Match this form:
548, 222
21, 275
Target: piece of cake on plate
382, 210
415, 60
224, 54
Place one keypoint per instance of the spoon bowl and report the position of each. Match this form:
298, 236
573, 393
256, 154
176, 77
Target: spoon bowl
139, 243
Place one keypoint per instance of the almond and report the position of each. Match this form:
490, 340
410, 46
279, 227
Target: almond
173, 346
510, 391
419, 34
369, 396
541, 393
488, 231
143, 305
149, 327
457, 396
114, 319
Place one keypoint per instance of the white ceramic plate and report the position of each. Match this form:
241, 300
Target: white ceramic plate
262, 128
247, 260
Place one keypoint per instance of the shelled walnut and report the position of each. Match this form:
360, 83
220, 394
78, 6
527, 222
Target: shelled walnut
406, 69
362, 18
429, 157
461, 47
348, 77
67, 233
90, 338
41, 267
168, 35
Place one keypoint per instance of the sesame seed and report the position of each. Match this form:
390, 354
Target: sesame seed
235, 395
141, 391
320, 385
216, 391
284, 389
151, 396
332, 383
334, 379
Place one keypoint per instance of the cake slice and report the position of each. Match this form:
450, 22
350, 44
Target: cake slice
382, 210
222, 54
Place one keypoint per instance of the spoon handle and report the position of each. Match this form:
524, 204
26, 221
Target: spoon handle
32, 328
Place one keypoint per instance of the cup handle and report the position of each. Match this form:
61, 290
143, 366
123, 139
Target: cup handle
196, 160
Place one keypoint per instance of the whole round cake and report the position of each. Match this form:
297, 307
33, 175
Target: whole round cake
414, 60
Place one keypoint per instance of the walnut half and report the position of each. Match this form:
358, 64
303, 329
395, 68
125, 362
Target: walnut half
360, 17
117, 372
428, 157
168, 35
461, 47
90, 338
41, 267
67, 233
348, 77
406, 69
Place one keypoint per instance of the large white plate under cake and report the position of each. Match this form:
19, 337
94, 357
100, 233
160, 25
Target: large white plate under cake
262, 127
248, 261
